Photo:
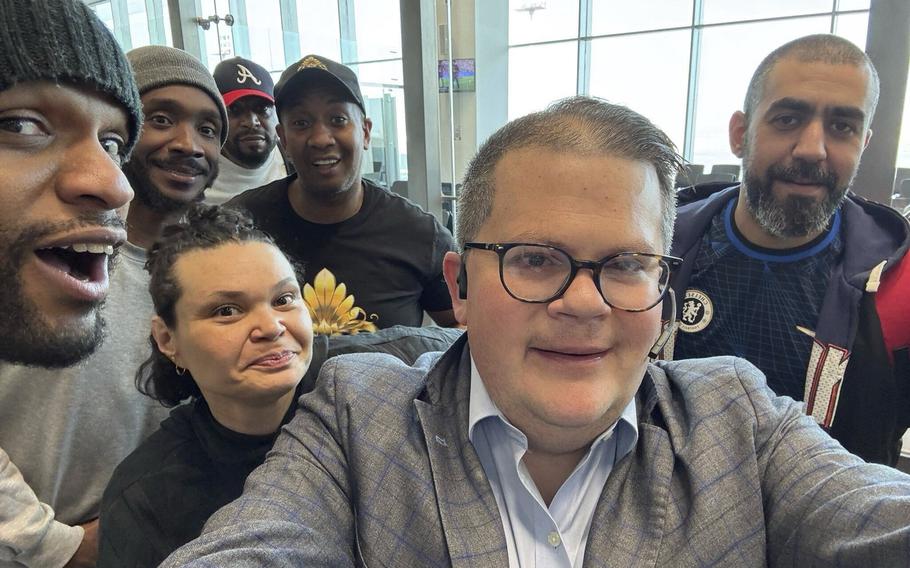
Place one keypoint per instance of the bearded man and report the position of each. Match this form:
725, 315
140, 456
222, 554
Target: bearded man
250, 157
790, 269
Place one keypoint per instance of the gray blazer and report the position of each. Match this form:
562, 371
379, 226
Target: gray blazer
378, 471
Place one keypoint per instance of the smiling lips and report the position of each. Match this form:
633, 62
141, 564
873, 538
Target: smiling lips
572, 354
181, 172
326, 162
274, 360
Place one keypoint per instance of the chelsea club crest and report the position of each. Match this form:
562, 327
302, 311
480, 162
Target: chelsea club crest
697, 311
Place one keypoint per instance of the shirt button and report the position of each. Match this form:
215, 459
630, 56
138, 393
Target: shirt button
553, 539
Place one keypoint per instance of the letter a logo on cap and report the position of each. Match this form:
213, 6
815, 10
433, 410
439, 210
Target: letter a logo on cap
243, 74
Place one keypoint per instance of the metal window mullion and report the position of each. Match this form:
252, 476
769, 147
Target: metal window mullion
692, 90
240, 31
347, 31
187, 35
451, 133
889, 50
583, 81
290, 32
421, 98
154, 13
120, 14
833, 26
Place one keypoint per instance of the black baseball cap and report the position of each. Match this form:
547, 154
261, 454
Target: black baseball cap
238, 77
299, 74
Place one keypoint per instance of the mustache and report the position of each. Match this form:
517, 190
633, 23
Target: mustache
195, 166
27, 240
803, 172
253, 131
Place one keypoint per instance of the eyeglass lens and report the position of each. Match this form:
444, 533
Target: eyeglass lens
628, 281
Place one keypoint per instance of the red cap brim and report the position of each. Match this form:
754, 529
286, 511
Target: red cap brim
232, 96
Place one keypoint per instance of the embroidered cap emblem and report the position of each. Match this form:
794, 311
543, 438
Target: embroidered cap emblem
697, 311
243, 74
311, 62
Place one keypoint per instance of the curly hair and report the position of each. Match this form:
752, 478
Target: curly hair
202, 227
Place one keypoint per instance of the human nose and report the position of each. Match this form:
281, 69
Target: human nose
250, 120
268, 326
89, 178
810, 146
321, 135
582, 298
186, 141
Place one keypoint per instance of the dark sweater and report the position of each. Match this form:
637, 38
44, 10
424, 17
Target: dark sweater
161, 495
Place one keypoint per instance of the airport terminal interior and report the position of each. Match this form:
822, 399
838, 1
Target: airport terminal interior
439, 76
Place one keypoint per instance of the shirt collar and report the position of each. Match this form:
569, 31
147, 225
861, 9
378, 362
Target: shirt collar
481, 406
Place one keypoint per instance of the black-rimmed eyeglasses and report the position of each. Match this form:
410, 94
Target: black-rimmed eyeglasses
630, 281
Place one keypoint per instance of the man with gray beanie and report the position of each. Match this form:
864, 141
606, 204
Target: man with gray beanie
176, 158
69, 117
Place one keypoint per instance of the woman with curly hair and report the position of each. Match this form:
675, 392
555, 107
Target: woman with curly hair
233, 335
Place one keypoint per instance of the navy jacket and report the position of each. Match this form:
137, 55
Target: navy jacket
857, 383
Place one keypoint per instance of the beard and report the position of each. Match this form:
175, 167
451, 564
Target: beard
793, 215
251, 159
153, 198
26, 337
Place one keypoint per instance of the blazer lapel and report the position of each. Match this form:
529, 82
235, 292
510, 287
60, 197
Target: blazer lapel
467, 508
630, 519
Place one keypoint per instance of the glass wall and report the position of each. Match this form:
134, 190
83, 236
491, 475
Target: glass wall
318, 28
685, 64
654, 82
363, 34
266, 36
135, 23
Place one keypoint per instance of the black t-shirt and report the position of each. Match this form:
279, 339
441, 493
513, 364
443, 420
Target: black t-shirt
388, 256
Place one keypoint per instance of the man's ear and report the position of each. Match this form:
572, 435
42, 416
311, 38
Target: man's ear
738, 126
279, 129
451, 268
164, 339
868, 138
367, 128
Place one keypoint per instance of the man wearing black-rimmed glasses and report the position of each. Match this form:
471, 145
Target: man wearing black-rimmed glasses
545, 437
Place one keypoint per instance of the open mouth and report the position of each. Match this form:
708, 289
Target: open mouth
84, 262
325, 162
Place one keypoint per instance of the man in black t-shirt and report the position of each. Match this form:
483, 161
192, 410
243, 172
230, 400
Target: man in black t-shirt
372, 258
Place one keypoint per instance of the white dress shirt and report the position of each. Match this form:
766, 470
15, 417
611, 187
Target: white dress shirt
537, 535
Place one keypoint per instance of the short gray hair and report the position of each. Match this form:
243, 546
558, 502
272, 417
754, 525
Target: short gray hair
580, 125
817, 48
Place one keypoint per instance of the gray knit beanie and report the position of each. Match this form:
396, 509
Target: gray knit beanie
159, 66
64, 42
